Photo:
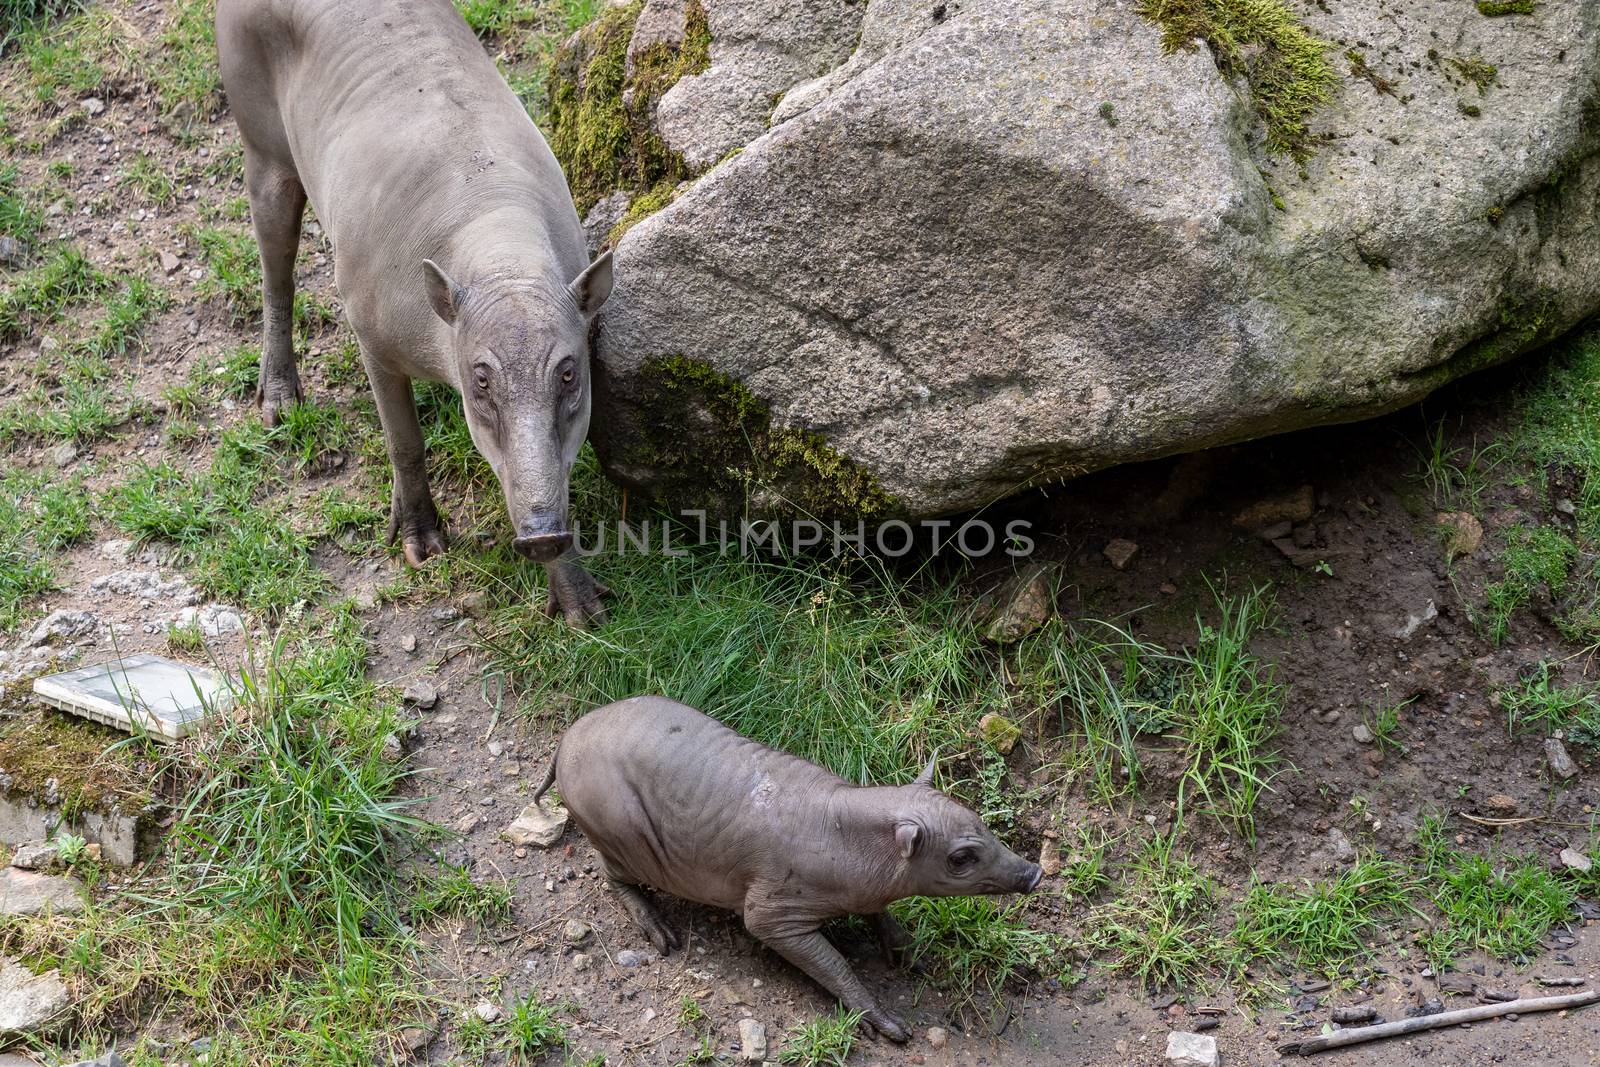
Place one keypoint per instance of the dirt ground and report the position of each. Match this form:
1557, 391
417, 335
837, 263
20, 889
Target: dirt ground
1337, 650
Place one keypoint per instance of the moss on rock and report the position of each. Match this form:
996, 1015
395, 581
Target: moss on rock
713, 442
599, 115
1286, 67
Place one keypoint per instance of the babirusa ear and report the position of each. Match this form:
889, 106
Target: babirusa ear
926, 777
907, 835
590, 289
443, 293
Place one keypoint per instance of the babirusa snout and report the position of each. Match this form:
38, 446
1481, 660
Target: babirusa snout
542, 547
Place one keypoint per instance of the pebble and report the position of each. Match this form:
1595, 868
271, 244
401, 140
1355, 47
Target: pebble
575, 930
1001, 733
487, 1011
1363, 734
408, 643
752, 1041
420, 695
540, 825
1355, 1014
1571, 859
61, 455
1559, 760
1501, 804
1050, 857
1185, 1049
938, 1036
92, 105
496, 749
169, 263
1120, 552
627, 957
581, 961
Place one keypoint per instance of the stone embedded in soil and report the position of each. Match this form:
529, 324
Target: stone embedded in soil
938, 1036
630, 958
92, 105
1559, 760
1574, 860
36, 856
1457, 983
61, 625
169, 263
487, 1011
408, 643
574, 931
1501, 805
1000, 732
1191, 1050
213, 620
1120, 552
752, 1041
13, 253
539, 824
1416, 620
1464, 534
62, 455
29, 1002
420, 695
1019, 607
1291, 507
1050, 857
32, 893
393, 750
1362, 733
581, 961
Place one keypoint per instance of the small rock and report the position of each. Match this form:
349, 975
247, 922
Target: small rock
1120, 552
1355, 1014
93, 105
61, 625
213, 620
1416, 620
1491, 995
487, 1011
496, 749
938, 1036
29, 1002
1501, 805
169, 263
365, 598
12, 253
629, 958
1000, 732
1464, 533
62, 455
40, 856
1293, 507
581, 961
110, 1059
1191, 1050
1050, 857
1343, 851
752, 1041
1456, 982
1560, 761
540, 825
408, 643
393, 750
1574, 860
1363, 734
575, 930
1206, 1022
420, 694
1566, 507
1019, 607
477, 603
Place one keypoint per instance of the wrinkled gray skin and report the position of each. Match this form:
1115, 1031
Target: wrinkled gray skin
673, 799
456, 246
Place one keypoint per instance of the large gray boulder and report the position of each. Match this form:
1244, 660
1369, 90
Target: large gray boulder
1008, 241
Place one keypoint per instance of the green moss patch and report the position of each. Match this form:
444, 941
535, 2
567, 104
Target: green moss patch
1477, 72
599, 115
55, 759
715, 441
1496, 8
1261, 41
